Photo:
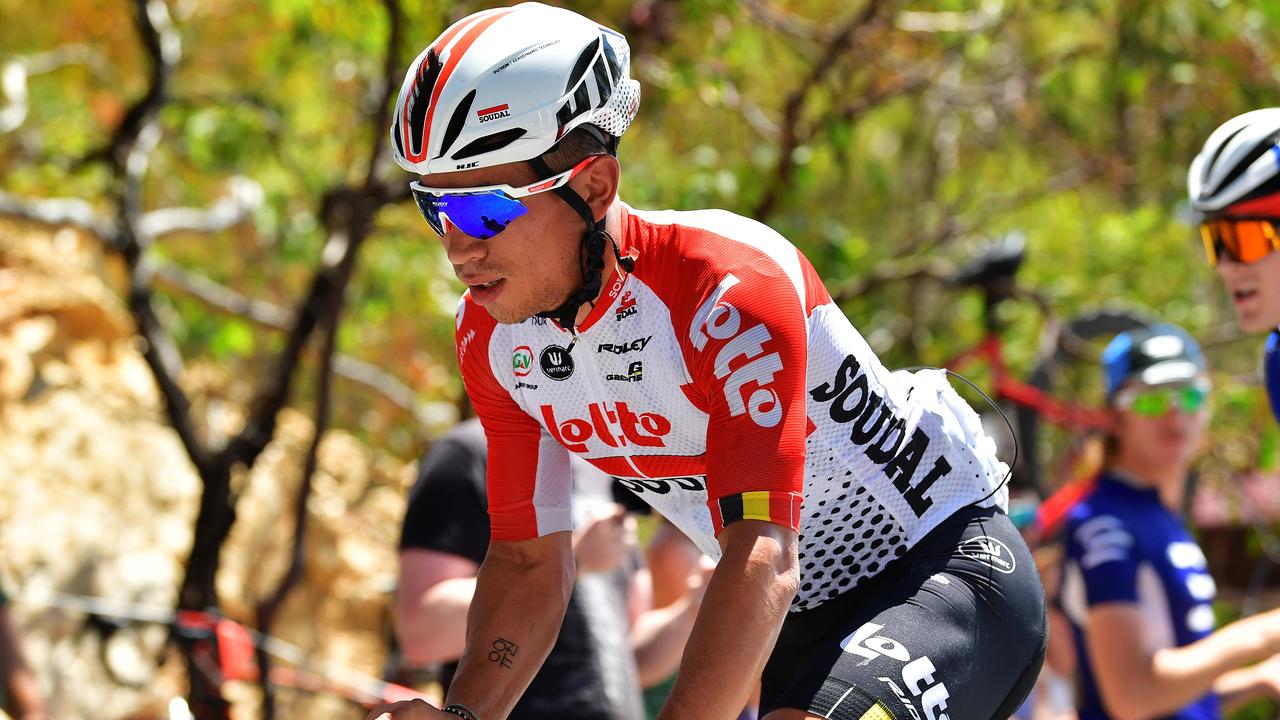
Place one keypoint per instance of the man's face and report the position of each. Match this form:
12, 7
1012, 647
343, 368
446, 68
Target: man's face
530, 267
1254, 290
1172, 438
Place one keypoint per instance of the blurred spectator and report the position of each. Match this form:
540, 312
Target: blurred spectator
20, 692
611, 642
1136, 588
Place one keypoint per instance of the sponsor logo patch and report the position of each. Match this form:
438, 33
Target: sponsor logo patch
881, 434
635, 373
614, 424
493, 113
620, 348
917, 675
662, 486
522, 361
626, 308
989, 551
556, 362
718, 320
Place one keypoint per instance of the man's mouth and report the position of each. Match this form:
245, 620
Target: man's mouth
1243, 294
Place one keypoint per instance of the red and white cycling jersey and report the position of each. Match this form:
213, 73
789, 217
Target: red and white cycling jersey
720, 382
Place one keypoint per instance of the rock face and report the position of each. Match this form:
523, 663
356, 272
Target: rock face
98, 498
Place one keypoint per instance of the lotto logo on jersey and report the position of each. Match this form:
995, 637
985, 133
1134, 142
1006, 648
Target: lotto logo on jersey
719, 320
917, 675
613, 424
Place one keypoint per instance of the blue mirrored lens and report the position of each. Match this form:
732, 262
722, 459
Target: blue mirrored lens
480, 215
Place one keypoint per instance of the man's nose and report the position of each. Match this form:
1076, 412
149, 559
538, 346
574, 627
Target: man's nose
459, 246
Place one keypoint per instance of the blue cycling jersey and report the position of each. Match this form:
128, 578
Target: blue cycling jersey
1124, 546
1271, 371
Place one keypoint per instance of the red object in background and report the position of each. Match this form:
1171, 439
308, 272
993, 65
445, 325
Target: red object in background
1055, 508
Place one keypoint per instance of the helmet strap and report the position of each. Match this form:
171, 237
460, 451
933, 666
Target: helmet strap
593, 242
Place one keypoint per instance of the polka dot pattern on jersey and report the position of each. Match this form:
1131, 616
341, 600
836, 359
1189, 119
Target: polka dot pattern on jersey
846, 535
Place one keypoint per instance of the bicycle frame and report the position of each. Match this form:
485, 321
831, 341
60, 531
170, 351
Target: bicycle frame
990, 350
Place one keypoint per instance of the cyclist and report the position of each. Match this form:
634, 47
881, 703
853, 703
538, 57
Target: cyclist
865, 558
20, 694
591, 672
1235, 184
1135, 585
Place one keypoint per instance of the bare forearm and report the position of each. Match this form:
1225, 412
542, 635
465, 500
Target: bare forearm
513, 623
1180, 676
432, 626
741, 615
659, 638
22, 692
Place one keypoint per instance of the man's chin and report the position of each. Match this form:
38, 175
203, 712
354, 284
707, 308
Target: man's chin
505, 316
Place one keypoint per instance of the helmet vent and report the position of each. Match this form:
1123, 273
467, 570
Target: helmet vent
456, 121
580, 66
603, 84
1243, 164
421, 99
489, 143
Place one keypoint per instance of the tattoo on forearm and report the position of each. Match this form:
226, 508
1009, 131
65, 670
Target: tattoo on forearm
503, 651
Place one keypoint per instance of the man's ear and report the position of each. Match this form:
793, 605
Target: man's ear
598, 184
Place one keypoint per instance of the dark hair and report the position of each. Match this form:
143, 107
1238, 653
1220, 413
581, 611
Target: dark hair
581, 142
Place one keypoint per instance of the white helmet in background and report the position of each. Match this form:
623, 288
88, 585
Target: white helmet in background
505, 85
1240, 161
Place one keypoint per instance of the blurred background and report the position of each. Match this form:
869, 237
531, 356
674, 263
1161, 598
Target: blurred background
206, 254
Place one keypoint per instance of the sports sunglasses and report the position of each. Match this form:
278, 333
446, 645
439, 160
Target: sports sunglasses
1155, 402
1245, 240
483, 212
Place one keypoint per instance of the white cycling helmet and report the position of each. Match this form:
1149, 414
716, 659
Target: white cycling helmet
505, 85
1240, 161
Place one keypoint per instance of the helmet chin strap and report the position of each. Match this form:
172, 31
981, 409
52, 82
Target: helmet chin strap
593, 242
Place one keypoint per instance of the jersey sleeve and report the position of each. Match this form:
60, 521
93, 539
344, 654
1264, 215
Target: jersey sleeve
529, 485
1104, 550
747, 346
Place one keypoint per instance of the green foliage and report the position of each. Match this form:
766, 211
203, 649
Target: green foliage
943, 125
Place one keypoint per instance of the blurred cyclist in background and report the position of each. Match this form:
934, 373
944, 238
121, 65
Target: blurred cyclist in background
1136, 587
19, 692
1234, 183
612, 642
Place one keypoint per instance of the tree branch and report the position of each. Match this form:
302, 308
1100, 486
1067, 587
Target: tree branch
272, 316
380, 116
270, 606
15, 74
887, 274
790, 137
60, 212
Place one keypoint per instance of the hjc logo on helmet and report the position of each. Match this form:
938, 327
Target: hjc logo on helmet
719, 320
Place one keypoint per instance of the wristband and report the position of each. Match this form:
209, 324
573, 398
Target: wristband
461, 711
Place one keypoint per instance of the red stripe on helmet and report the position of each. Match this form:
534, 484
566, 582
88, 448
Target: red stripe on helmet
455, 56
1265, 206
474, 26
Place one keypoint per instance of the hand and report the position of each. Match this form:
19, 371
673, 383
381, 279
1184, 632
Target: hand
1268, 674
605, 542
409, 710
699, 579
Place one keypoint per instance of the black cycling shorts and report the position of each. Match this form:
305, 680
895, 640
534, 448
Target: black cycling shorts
952, 630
